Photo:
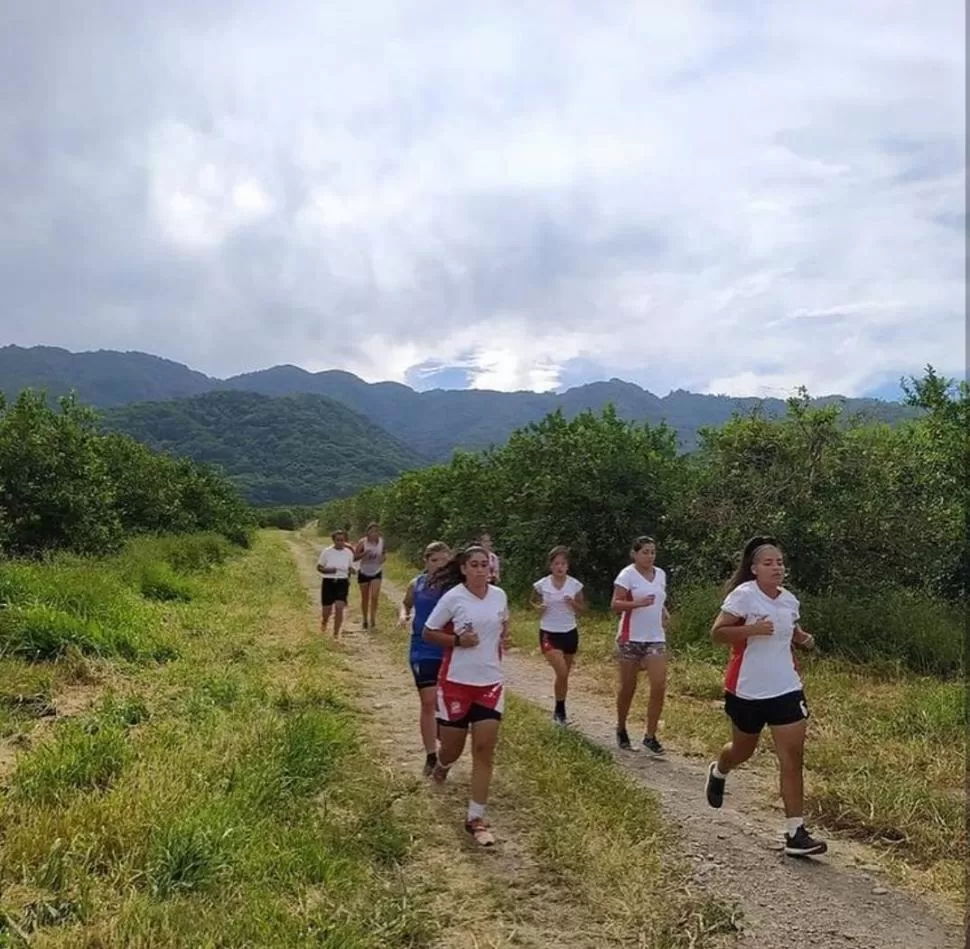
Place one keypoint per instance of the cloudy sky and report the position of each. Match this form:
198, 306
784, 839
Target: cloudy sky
729, 196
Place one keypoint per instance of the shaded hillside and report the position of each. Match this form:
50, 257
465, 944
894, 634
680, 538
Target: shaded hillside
300, 449
432, 424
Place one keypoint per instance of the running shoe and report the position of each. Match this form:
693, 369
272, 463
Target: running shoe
365, 624
481, 834
439, 773
714, 788
429, 764
653, 746
802, 844
623, 740
561, 721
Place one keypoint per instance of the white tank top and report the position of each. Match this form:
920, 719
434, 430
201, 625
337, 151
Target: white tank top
370, 562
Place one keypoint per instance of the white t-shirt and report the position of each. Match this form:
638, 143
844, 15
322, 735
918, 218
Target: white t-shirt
559, 617
644, 624
762, 667
341, 559
370, 562
473, 665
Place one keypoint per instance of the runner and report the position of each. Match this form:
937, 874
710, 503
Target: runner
494, 565
759, 620
425, 657
369, 550
558, 597
471, 694
639, 596
335, 563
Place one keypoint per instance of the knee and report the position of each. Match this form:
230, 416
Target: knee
428, 704
483, 749
791, 759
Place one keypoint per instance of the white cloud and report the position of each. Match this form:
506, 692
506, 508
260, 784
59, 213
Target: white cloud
741, 199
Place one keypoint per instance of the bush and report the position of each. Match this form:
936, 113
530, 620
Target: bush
64, 486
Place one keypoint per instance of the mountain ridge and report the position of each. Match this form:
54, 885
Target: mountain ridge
431, 423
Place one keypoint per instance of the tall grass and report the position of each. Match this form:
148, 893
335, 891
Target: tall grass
212, 804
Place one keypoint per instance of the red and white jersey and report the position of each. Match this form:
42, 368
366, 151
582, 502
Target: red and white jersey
486, 616
762, 667
644, 624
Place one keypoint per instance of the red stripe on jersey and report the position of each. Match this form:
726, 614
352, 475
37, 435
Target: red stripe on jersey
626, 620
446, 661
733, 671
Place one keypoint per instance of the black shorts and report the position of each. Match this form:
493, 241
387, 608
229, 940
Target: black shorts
363, 579
475, 713
751, 715
566, 643
334, 591
425, 672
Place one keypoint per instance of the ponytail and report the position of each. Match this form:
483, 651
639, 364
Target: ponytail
751, 550
450, 574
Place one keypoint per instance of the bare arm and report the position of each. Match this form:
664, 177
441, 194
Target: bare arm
576, 603
730, 629
407, 605
536, 600
802, 638
621, 602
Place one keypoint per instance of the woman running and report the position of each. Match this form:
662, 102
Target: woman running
334, 564
369, 550
425, 657
470, 622
558, 597
639, 596
494, 565
759, 620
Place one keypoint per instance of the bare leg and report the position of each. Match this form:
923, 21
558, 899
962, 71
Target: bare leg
484, 739
657, 674
560, 668
741, 747
790, 748
325, 618
429, 723
627, 675
375, 592
452, 744
364, 601
338, 618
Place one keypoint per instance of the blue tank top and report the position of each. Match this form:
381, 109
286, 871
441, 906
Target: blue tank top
425, 600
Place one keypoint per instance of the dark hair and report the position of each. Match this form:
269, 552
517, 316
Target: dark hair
372, 527
560, 550
450, 574
338, 532
642, 541
436, 547
743, 572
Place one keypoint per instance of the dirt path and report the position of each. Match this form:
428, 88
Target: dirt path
788, 904
499, 898
735, 852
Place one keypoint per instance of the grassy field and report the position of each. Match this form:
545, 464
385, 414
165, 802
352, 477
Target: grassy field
885, 757
214, 793
208, 781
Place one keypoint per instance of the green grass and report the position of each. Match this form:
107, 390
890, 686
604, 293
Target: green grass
223, 798
885, 758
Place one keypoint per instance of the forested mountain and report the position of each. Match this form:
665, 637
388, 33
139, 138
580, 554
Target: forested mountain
300, 449
431, 424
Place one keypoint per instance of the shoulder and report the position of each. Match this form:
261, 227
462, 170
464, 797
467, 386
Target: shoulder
540, 584
498, 595
625, 577
736, 601
789, 600
661, 574
575, 584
